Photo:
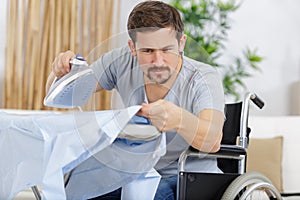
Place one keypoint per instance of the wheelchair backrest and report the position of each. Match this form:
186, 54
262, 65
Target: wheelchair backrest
231, 128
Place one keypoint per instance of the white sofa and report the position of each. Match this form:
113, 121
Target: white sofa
289, 128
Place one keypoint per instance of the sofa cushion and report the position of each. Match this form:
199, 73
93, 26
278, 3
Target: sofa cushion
265, 156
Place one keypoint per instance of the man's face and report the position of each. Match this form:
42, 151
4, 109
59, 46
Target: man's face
158, 54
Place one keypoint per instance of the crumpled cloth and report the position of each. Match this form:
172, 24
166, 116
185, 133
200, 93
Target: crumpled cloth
127, 164
38, 149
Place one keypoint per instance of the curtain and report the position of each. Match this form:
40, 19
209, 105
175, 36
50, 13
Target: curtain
37, 30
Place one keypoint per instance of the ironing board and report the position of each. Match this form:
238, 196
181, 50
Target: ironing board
39, 148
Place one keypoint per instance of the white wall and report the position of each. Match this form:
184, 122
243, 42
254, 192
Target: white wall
126, 7
273, 27
270, 25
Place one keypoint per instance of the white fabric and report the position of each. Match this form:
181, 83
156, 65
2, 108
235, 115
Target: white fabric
116, 166
142, 188
37, 149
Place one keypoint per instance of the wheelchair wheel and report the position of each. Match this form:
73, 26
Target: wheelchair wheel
251, 185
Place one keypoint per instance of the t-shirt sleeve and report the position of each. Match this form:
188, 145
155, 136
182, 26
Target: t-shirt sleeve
105, 71
209, 93
112, 65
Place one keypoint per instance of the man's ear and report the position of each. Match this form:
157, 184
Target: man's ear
132, 48
182, 42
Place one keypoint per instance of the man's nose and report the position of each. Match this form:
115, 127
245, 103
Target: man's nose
158, 58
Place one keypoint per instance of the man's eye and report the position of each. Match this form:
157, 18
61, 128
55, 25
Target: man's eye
167, 50
147, 50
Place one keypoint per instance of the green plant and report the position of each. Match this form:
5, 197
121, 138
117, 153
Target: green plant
207, 23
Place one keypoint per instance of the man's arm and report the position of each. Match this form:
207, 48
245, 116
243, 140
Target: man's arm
203, 132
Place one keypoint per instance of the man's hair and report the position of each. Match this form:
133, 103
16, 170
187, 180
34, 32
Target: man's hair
153, 15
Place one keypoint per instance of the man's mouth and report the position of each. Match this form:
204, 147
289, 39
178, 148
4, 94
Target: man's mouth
158, 70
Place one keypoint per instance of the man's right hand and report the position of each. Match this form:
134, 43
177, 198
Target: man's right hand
61, 64
60, 67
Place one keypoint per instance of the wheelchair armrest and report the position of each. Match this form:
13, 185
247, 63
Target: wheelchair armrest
231, 150
226, 151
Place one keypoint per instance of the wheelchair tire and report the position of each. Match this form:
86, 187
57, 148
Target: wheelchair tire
239, 186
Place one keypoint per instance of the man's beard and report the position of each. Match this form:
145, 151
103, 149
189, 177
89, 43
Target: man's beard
159, 78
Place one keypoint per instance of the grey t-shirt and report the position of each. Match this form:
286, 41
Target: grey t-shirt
197, 87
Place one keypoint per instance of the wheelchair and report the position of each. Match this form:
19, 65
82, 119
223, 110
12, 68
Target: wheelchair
234, 183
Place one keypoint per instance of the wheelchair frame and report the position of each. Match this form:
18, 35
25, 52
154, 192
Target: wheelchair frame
240, 182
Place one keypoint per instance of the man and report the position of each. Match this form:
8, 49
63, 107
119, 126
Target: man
180, 96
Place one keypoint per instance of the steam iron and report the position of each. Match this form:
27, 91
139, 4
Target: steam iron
74, 89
